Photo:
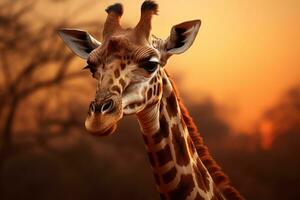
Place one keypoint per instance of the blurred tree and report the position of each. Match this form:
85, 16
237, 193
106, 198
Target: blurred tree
42, 110
32, 59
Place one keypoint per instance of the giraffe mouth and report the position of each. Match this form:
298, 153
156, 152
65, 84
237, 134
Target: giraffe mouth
105, 132
98, 126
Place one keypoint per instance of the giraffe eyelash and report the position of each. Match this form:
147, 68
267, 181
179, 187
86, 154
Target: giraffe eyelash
148, 59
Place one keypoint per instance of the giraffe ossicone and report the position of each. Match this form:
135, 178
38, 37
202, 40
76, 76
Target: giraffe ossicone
129, 66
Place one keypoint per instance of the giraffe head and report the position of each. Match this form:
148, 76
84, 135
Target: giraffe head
127, 64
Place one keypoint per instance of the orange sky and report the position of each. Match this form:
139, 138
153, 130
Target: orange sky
246, 53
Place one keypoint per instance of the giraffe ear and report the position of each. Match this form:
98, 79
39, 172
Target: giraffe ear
182, 37
80, 42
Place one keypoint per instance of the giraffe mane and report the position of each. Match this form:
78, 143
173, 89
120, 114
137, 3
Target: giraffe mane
221, 180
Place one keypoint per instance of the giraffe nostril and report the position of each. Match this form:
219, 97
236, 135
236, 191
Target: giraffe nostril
92, 107
101, 107
107, 106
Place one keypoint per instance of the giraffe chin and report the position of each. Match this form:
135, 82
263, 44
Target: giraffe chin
105, 132
100, 127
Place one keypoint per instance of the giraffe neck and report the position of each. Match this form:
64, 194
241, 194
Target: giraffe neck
178, 171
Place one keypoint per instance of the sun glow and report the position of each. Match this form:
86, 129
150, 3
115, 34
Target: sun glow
245, 55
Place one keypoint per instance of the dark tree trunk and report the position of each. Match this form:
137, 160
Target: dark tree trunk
6, 138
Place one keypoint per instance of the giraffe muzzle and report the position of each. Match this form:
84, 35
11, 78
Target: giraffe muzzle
103, 116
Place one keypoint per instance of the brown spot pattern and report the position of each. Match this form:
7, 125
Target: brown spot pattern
164, 156
169, 175
151, 159
122, 82
123, 65
191, 145
131, 106
180, 148
111, 81
146, 140
158, 90
163, 131
152, 80
118, 57
117, 73
161, 106
228, 191
116, 88
202, 174
184, 188
149, 93
172, 107
199, 179
164, 80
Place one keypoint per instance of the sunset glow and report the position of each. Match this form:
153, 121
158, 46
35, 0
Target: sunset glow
245, 56
65, 129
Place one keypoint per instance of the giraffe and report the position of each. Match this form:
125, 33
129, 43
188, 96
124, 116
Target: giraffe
129, 66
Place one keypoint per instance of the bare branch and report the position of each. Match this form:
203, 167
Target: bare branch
48, 83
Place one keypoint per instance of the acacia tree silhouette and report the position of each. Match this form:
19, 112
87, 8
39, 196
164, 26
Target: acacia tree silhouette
25, 49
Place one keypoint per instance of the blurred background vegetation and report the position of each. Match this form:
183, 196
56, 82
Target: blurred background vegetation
45, 152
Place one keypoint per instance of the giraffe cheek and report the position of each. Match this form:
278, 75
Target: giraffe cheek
133, 108
133, 99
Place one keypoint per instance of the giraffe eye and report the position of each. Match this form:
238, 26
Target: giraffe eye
150, 66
